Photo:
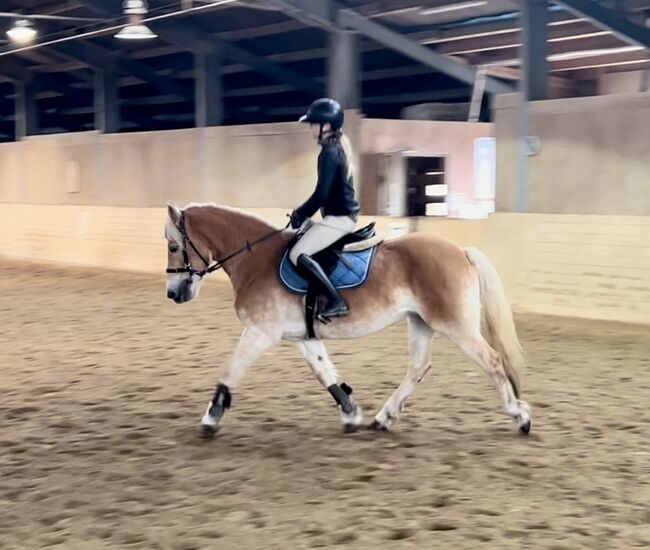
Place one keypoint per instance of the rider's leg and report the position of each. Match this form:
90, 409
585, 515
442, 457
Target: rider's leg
336, 305
318, 237
321, 235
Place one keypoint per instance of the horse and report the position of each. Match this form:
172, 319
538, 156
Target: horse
440, 288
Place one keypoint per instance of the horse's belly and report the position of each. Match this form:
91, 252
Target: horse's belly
373, 317
342, 329
346, 328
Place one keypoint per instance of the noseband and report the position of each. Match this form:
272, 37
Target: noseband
217, 264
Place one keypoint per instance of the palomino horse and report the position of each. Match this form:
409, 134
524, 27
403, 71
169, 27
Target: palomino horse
439, 287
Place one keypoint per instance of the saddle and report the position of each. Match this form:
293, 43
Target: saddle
346, 262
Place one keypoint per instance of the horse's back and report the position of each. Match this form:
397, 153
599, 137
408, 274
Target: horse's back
434, 269
417, 247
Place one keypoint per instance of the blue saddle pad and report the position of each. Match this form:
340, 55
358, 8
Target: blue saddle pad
350, 271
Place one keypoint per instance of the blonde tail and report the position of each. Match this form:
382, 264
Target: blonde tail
496, 316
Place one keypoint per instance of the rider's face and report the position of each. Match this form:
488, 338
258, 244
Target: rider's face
315, 130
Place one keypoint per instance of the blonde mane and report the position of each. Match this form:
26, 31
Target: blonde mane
232, 210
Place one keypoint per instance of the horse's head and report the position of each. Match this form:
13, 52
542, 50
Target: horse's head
187, 257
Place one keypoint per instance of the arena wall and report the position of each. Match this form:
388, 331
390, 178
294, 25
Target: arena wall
98, 200
581, 266
593, 157
258, 166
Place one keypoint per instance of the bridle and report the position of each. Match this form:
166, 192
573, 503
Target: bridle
217, 264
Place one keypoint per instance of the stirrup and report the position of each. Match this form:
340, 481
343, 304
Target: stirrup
325, 317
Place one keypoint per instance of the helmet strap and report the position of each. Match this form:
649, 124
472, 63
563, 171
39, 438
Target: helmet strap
320, 133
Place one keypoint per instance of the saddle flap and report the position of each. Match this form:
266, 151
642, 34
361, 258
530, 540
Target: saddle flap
348, 270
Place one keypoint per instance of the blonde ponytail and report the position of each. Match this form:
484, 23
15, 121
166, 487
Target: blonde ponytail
349, 154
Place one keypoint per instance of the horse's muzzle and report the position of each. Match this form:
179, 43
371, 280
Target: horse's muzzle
181, 294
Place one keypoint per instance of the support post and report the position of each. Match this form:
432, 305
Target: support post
535, 17
209, 109
344, 68
107, 101
26, 112
533, 84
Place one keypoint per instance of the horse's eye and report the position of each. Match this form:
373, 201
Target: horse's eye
173, 248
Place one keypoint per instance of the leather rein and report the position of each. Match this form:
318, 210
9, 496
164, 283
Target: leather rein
217, 264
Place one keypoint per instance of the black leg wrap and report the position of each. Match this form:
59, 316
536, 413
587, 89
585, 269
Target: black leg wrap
221, 401
347, 389
340, 395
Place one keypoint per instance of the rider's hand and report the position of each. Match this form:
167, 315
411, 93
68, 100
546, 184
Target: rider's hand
296, 219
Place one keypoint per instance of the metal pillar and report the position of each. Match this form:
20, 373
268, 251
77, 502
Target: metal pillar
645, 77
209, 90
26, 112
533, 84
107, 101
343, 69
478, 91
535, 49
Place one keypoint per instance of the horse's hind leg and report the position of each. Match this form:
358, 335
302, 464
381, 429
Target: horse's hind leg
490, 360
420, 341
316, 355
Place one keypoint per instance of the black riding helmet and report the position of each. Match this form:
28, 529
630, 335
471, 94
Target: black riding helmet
322, 111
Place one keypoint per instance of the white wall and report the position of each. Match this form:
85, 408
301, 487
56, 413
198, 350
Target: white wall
628, 82
593, 157
264, 165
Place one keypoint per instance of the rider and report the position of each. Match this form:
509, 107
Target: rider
334, 195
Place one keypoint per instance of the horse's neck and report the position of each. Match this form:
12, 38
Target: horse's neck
228, 230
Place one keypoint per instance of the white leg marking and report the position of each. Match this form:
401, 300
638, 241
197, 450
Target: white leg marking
355, 418
253, 342
420, 341
208, 419
316, 355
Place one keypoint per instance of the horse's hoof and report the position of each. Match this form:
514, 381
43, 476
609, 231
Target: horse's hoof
524, 429
377, 426
207, 432
350, 428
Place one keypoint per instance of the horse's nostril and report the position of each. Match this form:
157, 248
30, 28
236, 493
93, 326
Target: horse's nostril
171, 294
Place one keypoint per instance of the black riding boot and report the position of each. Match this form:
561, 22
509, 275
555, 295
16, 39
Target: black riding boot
336, 306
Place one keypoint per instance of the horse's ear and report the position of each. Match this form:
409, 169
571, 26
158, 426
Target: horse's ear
174, 212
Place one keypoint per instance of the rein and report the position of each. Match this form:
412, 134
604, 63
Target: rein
217, 264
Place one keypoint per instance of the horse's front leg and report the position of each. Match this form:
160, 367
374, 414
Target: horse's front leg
252, 344
316, 355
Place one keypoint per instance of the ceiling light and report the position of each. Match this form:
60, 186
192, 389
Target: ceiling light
396, 11
23, 32
593, 53
454, 7
567, 56
136, 32
134, 7
135, 10
600, 65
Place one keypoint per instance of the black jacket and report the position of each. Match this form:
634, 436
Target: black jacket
334, 193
